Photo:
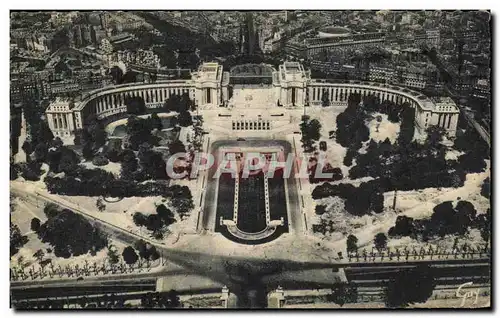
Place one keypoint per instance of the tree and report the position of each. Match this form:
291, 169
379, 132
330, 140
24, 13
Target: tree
351, 127
146, 250
129, 77
314, 129
59, 231
166, 214
434, 137
398, 293
63, 159
320, 209
20, 261
185, 119
27, 148
51, 210
380, 241
310, 130
472, 162
113, 150
376, 201
172, 103
113, 255
16, 239
129, 255
143, 249
342, 294
31, 170
407, 129
186, 103
176, 146
181, 199
100, 205
393, 115
154, 223
154, 254
349, 156
41, 133
403, 227
39, 255
483, 223
116, 74
139, 219
154, 77
91, 137
135, 105
465, 216
87, 151
129, 166
41, 151
448, 220
173, 299
139, 131
100, 160
485, 188
14, 171
156, 122
153, 165
352, 242
45, 262
443, 218
56, 143
325, 101
35, 224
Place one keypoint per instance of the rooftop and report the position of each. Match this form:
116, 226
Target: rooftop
210, 71
62, 104
249, 70
292, 71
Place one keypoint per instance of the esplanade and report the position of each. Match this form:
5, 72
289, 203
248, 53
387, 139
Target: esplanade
289, 87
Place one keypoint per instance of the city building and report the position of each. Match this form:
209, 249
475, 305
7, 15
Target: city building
120, 38
64, 87
291, 84
106, 47
77, 31
29, 90
482, 89
97, 35
86, 34
382, 73
60, 118
104, 17
411, 76
433, 38
314, 47
139, 58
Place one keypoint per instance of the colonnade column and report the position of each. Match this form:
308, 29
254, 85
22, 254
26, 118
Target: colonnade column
59, 121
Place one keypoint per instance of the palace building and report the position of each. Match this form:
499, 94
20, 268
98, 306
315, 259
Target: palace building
254, 86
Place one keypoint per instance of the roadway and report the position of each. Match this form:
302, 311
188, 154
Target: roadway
290, 276
240, 274
480, 129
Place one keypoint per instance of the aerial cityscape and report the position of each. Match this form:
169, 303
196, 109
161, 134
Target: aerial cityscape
250, 159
